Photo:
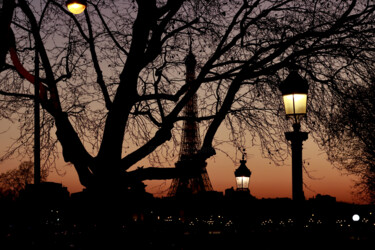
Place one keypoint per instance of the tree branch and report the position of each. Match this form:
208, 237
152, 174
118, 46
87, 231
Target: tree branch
5, 21
108, 31
152, 173
160, 96
16, 94
73, 149
99, 73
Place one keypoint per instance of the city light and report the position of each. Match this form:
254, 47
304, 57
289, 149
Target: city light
355, 217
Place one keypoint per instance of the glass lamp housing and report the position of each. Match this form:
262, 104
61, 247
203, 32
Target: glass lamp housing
295, 104
294, 90
242, 182
76, 6
242, 175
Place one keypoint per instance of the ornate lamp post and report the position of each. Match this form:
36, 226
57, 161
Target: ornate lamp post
76, 6
242, 175
294, 91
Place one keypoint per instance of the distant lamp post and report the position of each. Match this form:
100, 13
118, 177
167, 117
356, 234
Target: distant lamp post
294, 91
76, 6
242, 175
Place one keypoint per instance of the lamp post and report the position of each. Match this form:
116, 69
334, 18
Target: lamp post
76, 6
294, 91
36, 120
242, 174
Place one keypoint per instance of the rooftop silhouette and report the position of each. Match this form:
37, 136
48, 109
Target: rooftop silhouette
81, 221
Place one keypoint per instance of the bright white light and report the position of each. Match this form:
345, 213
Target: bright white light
295, 104
355, 217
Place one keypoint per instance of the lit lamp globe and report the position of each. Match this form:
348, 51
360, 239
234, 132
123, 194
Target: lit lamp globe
76, 6
294, 90
242, 174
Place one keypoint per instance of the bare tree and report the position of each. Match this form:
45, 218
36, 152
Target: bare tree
15, 180
347, 130
112, 79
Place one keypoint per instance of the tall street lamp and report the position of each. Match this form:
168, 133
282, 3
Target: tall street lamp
36, 119
76, 6
294, 91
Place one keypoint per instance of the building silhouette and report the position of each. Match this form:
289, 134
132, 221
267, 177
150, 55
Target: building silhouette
190, 145
45, 194
46, 218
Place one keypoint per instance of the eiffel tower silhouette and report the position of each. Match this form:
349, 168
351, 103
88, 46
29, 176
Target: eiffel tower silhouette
190, 144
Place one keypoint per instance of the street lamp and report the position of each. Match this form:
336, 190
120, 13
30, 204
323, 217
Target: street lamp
37, 177
294, 90
242, 174
76, 6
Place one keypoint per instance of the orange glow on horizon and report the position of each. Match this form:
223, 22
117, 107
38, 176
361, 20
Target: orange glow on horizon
267, 180
271, 181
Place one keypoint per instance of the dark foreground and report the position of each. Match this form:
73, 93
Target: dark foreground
206, 222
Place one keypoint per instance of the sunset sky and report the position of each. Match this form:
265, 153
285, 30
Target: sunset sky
267, 179
271, 181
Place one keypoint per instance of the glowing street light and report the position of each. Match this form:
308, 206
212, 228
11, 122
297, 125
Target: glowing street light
242, 175
76, 6
294, 91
